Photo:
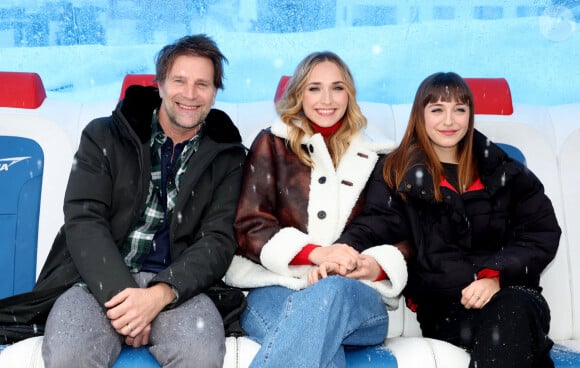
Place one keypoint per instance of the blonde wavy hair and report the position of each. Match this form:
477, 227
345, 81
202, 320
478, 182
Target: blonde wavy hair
291, 111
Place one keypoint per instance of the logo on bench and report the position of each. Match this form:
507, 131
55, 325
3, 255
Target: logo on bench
5, 163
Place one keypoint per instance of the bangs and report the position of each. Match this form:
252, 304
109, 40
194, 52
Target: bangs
447, 93
447, 87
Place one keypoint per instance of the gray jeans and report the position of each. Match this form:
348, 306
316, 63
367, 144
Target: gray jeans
79, 334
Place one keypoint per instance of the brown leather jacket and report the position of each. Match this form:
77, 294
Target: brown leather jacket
285, 205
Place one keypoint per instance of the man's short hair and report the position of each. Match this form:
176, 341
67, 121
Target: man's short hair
194, 45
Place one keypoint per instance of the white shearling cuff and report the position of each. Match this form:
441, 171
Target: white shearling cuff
281, 249
393, 263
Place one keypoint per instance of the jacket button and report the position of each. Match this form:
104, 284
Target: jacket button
322, 179
409, 186
311, 148
321, 215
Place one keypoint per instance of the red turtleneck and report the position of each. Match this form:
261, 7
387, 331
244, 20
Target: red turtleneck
326, 131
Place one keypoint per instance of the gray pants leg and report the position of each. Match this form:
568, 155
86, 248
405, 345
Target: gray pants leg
78, 334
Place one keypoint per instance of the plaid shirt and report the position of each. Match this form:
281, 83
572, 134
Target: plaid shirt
159, 207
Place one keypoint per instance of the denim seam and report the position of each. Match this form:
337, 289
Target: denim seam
367, 322
275, 332
259, 317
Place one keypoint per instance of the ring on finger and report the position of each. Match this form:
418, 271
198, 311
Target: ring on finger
129, 327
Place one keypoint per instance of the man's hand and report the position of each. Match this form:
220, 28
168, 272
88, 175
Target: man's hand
479, 293
141, 339
132, 310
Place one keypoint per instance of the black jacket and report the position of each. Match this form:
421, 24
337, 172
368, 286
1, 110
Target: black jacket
106, 194
508, 226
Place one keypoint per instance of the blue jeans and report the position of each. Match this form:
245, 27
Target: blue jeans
309, 328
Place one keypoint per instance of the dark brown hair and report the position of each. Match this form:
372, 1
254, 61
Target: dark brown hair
195, 45
415, 147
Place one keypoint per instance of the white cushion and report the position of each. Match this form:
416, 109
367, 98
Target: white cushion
24, 354
570, 186
541, 159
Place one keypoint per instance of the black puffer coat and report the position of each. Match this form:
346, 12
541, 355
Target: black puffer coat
106, 194
509, 226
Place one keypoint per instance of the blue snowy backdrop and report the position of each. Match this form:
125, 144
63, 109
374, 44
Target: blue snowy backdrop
83, 48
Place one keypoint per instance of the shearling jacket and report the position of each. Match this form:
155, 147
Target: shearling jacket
285, 205
508, 225
107, 192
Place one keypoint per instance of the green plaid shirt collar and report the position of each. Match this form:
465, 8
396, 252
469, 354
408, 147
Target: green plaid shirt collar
140, 240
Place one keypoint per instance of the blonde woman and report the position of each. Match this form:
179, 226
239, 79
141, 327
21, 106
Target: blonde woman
303, 182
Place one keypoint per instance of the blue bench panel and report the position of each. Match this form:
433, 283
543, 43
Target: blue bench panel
21, 169
564, 357
370, 357
135, 358
513, 152
355, 358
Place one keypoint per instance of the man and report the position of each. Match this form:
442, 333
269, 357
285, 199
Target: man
149, 209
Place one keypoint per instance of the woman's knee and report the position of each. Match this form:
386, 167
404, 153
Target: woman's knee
346, 291
521, 303
344, 296
336, 286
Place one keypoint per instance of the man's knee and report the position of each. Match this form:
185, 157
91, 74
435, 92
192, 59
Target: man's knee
60, 355
207, 353
192, 335
199, 351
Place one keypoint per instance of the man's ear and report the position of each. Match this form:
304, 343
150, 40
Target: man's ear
160, 88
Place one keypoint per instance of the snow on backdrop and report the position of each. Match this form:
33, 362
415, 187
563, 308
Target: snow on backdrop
538, 55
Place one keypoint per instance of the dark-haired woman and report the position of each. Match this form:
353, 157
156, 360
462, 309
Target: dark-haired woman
481, 224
